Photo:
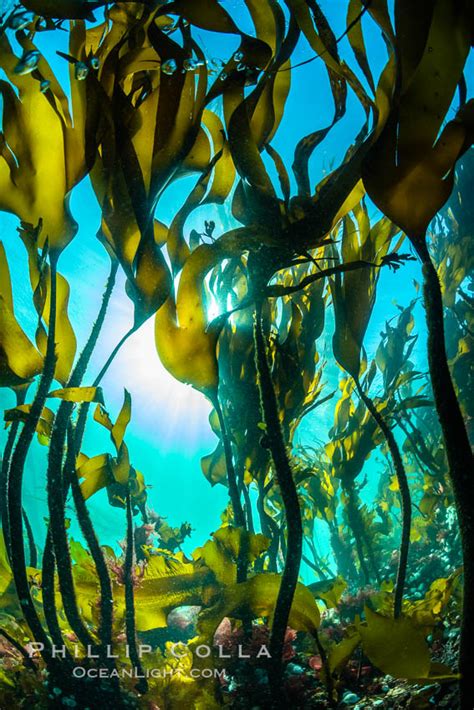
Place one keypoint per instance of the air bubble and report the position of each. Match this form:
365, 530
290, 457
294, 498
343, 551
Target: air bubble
20, 20
190, 64
169, 67
28, 62
216, 63
81, 71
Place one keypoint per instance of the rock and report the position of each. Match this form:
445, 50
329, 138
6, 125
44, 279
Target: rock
183, 618
349, 698
294, 669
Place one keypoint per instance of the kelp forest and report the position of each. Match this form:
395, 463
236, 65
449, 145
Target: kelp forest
271, 203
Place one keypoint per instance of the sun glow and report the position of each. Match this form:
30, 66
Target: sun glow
160, 403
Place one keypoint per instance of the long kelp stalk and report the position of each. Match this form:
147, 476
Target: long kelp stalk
366, 537
57, 487
284, 476
130, 629
314, 567
317, 558
6, 460
269, 528
248, 508
87, 528
353, 518
328, 679
405, 497
460, 460
31, 540
48, 568
234, 494
105, 584
114, 354
344, 561
15, 479
85, 406
29, 663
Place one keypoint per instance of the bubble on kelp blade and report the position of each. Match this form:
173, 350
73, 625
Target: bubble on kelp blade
81, 71
169, 67
19, 20
28, 62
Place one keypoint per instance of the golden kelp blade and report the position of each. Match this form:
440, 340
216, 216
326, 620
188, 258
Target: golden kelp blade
185, 343
354, 292
408, 172
130, 170
79, 394
46, 159
19, 359
44, 426
40, 279
257, 598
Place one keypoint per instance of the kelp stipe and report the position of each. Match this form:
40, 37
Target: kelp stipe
428, 176
284, 476
61, 475
15, 478
459, 453
128, 570
404, 494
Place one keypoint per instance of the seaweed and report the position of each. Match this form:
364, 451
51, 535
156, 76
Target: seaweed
269, 313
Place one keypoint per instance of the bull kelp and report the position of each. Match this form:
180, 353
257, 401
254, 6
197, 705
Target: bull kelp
236, 334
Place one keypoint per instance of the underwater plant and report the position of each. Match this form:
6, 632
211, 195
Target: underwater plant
342, 459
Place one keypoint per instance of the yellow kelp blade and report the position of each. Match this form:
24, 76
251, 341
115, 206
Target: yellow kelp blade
354, 292
45, 422
330, 591
228, 545
102, 417
340, 653
34, 179
185, 344
167, 584
257, 597
40, 279
408, 172
96, 472
5, 570
19, 359
140, 141
150, 284
122, 422
79, 394
406, 656
214, 466
5, 280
